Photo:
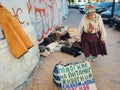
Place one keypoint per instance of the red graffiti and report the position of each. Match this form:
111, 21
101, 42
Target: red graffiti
29, 6
43, 8
40, 11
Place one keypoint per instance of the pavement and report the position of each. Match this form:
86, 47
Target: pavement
106, 69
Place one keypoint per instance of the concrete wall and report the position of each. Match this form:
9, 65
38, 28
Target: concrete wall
38, 18
14, 72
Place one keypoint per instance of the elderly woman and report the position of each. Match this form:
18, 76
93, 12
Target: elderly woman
92, 34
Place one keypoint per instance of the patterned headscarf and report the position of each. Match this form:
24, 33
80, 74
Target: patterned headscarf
89, 8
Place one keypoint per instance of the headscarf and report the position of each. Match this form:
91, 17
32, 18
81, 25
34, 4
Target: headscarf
89, 8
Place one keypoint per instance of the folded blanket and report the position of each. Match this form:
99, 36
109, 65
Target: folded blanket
18, 41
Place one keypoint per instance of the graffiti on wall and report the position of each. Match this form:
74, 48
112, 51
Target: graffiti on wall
18, 10
44, 16
16, 13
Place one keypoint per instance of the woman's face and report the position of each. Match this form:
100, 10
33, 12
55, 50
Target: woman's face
91, 16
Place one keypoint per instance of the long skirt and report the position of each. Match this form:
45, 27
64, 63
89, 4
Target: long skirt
91, 44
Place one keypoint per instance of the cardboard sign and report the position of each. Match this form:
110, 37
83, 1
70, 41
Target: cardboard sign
77, 77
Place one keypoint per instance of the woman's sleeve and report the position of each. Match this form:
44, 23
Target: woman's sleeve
80, 29
102, 29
